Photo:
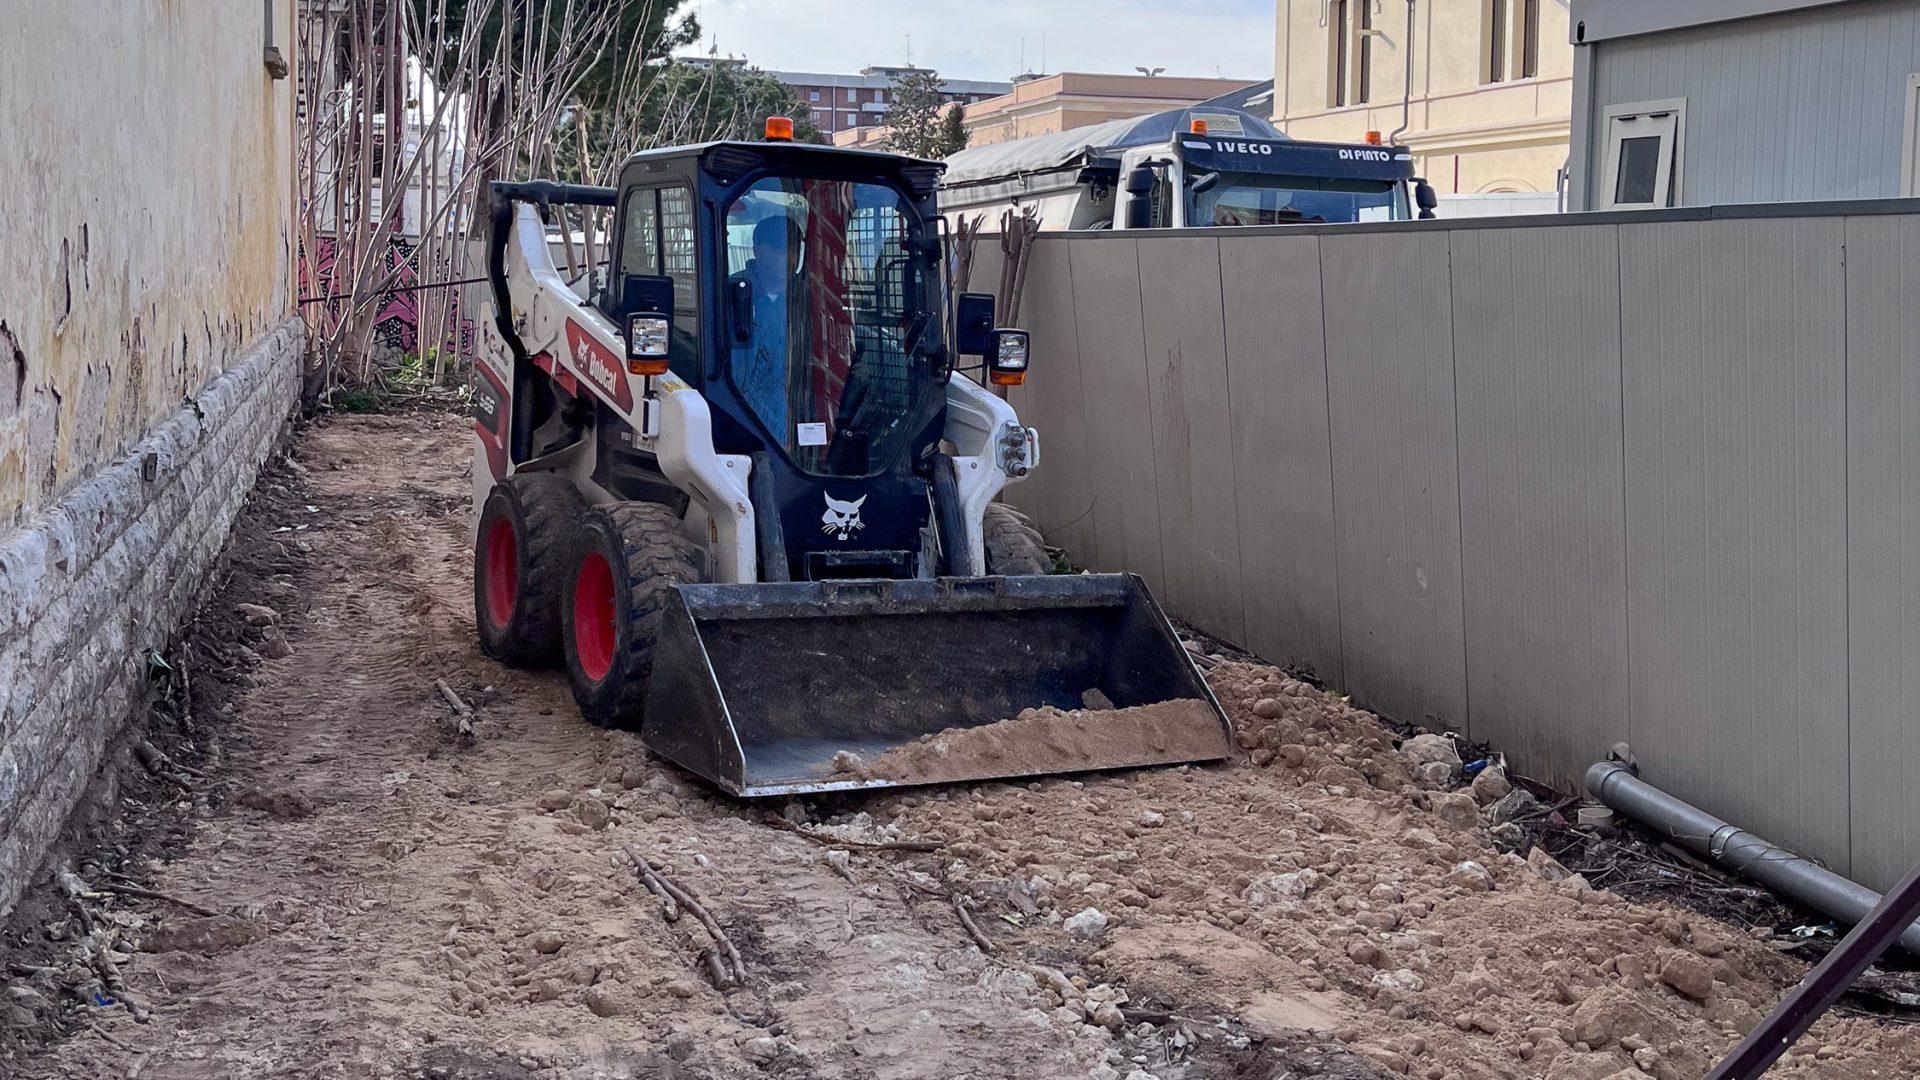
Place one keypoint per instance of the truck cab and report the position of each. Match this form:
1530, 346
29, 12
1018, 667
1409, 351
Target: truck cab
1198, 180
1205, 166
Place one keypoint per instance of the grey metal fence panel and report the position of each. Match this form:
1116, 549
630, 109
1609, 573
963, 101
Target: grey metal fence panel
1883, 542
1395, 473
1282, 453
1188, 384
1734, 348
1555, 485
1107, 319
1542, 511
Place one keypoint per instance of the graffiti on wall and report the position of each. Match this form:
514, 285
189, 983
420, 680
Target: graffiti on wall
396, 321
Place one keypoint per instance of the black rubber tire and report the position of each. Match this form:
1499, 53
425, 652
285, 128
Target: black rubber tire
646, 554
1014, 544
539, 511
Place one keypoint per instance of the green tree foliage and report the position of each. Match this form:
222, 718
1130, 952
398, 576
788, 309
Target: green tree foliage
953, 131
913, 115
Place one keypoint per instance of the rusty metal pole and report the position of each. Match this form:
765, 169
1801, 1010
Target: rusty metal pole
1823, 985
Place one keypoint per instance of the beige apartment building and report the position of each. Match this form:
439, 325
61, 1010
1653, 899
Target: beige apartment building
1492, 85
1046, 104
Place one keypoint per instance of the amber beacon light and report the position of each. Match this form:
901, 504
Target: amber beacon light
779, 129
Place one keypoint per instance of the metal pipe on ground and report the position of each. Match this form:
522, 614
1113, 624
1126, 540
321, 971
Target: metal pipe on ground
1775, 867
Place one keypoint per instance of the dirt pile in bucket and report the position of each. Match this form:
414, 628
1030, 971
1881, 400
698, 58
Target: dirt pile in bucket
1047, 740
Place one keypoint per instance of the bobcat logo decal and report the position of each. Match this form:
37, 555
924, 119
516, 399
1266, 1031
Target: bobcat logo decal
842, 519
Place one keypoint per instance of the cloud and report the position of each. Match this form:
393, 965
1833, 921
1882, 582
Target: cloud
981, 39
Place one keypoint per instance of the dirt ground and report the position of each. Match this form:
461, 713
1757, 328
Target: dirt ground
396, 899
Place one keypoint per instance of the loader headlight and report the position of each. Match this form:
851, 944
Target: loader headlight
647, 337
1009, 366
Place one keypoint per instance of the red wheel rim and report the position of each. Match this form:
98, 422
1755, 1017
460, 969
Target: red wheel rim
593, 631
503, 572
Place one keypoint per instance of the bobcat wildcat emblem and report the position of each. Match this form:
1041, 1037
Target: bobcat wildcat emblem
842, 519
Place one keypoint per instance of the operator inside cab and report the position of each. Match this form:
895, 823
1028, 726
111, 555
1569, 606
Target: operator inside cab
760, 362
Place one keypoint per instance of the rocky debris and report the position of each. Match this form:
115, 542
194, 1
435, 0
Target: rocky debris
1514, 804
555, 799
592, 812
761, 1049
1470, 876
1432, 750
257, 614
1491, 785
1090, 923
204, 935
1457, 811
1689, 974
273, 644
1550, 868
680, 1046
546, 942
1293, 885
280, 804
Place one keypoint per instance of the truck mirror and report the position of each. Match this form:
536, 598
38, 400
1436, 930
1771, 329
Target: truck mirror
973, 324
1205, 182
1008, 363
1140, 197
1424, 198
740, 308
650, 294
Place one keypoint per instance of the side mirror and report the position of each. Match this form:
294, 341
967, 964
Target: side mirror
1139, 214
1204, 183
1424, 198
651, 294
1007, 364
740, 308
973, 324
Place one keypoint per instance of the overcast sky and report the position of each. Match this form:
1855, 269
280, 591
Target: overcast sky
981, 39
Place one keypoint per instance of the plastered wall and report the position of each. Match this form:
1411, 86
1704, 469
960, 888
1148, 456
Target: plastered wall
146, 221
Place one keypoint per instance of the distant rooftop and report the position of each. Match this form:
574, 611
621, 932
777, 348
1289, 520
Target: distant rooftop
871, 77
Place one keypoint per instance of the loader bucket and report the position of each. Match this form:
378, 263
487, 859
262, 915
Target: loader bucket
804, 687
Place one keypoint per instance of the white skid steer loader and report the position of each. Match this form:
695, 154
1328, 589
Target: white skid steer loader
741, 491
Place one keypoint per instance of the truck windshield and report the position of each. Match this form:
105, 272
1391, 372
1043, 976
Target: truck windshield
828, 306
1258, 199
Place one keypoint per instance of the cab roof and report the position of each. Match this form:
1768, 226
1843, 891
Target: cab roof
731, 158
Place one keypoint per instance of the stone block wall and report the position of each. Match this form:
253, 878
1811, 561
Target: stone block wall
92, 583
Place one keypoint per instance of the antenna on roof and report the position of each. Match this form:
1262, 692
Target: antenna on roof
1043, 52
909, 50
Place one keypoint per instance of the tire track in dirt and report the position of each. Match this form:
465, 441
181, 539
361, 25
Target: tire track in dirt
422, 901
413, 904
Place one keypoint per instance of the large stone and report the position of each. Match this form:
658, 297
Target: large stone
1457, 811
1431, 749
1491, 785
1087, 925
1687, 973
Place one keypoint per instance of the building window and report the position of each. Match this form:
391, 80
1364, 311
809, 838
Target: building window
1493, 40
1910, 163
1641, 168
879, 95
813, 95
852, 94
1337, 42
1529, 38
1363, 78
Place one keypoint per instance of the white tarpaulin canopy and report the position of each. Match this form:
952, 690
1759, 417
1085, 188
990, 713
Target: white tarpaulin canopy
1080, 146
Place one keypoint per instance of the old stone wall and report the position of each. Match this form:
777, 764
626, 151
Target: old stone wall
90, 587
148, 355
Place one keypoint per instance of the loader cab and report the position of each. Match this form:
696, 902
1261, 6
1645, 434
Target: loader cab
807, 310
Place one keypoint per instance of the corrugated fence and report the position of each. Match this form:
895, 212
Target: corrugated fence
1558, 483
